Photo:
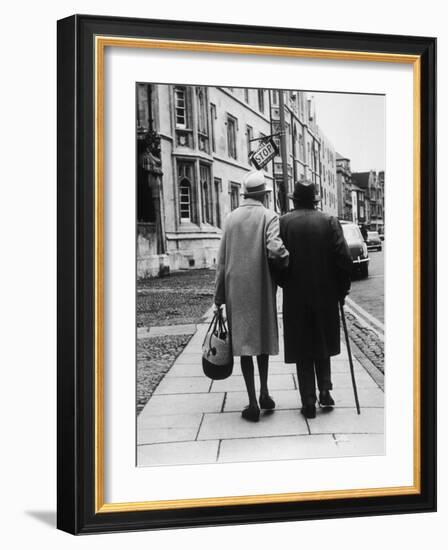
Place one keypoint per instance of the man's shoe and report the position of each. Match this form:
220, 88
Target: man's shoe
251, 413
309, 411
266, 402
325, 400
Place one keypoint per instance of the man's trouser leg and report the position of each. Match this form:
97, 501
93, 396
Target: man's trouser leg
307, 382
323, 374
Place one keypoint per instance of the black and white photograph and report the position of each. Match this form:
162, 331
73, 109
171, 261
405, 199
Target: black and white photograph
260, 273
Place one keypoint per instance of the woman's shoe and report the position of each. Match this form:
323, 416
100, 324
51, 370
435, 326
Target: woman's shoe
251, 413
266, 402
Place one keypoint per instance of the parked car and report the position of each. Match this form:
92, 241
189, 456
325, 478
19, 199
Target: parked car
357, 247
373, 241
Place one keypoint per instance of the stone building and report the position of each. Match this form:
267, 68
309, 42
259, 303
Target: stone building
193, 151
344, 188
373, 186
329, 186
359, 204
301, 138
193, 146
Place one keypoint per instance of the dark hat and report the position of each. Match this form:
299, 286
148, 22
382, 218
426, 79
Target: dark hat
305, 192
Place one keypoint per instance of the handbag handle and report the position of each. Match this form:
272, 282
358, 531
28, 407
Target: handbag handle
216, 322
211, 330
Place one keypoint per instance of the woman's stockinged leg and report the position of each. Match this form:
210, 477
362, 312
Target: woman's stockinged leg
247, 368
263, 365
266, 401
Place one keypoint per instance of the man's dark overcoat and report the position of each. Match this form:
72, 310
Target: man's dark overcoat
317, 278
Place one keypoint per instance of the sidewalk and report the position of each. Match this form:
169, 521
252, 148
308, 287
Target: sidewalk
191, 419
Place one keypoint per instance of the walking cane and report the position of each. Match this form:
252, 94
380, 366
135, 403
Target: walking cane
349, 351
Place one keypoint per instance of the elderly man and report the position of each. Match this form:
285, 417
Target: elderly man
318, 278
250, 246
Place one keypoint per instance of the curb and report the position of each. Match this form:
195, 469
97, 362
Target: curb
373, 371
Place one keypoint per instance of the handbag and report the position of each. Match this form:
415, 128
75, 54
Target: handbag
217, 357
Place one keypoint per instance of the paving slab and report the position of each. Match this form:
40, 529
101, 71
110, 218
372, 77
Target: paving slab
182, 404
236, 383
188, 358
187, 452
280, 368
171, 330
284, 399
290, 399
171, 427
368, 397
186, 384
346, 420
344, 380
185, 370
343, 367
231, 426
277, 358
195, 368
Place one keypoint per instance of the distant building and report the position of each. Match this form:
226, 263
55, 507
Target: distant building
329, 187
344, 188
373, 186
381, 199
358, 204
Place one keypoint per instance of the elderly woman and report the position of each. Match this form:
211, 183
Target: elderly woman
250, 245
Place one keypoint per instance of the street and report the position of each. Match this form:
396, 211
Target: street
369, 293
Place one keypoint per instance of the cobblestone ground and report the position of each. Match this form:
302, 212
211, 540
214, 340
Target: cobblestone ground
366, 340
155, 357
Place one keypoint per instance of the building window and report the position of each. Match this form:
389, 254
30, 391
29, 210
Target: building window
249, 136
275, 97
302, 109
212, 125
246, 95
261, 101
231, 136
234, 195
202, 111
185, 201
301, 148
218, 188
310, 111
186, 192
203, 143
180, 103
206, 198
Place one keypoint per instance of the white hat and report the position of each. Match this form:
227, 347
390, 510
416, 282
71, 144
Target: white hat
254, 183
